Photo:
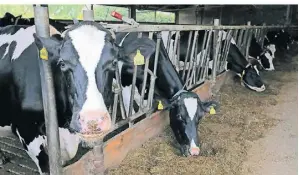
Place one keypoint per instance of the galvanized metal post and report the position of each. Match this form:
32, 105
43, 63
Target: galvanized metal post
132, 12
249, 37
264, 33
41, 16
88, 14
215, 59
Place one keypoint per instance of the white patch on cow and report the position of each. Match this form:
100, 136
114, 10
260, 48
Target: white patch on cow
89, 43
257, 71
191, 106
192, 144
211, 64
224, 33
272, 48
68, 144
34, 148
126, 92
261, 89
270, 59
288, 47
275, 36
23, 38
121, 42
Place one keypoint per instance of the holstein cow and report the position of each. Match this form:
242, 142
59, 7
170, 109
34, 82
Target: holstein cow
10, 19
186, 108
262, 55
80, 62
235, 62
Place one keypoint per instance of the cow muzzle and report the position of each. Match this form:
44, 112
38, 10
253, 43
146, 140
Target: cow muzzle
194, 151
94, 122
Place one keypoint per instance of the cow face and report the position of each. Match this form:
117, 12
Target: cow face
84, 57
272, 49
266, 60
250, 78
185, 112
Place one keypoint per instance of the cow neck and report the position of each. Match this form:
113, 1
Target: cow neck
168, 80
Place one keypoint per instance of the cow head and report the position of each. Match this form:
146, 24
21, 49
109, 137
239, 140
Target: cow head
250, 78
266, 60
85, 56
185, 113
272, 49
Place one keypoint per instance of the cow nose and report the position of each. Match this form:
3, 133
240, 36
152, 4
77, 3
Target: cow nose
93, 121
194, 151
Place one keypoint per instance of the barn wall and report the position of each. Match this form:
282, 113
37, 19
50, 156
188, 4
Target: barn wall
239, 14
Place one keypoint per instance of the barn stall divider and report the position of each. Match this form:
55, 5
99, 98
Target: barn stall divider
130, 130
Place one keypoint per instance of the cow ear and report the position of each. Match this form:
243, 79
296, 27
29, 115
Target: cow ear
52, 45
143, 46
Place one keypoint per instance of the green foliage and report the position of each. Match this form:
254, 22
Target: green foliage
101, 13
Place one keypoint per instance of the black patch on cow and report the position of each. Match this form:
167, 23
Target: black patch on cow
3, 49
43, 160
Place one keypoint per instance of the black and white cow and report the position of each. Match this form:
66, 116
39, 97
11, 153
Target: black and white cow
235, 62
82, 72
186, 108
10, 19
264, 56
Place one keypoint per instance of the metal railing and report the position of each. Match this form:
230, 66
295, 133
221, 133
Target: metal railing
197, 59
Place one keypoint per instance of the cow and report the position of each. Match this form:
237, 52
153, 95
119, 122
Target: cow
10, 19
262, 55
82, 66
185, 107
236, 61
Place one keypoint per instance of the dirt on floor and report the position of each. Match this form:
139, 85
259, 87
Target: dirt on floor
231, 139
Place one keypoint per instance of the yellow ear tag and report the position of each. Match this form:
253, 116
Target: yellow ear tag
160, 106
43, 54
138, 59
212, 111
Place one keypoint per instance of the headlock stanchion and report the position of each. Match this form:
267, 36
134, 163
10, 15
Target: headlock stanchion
195, 71
41, 16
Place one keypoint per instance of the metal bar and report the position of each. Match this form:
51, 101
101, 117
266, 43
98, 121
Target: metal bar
244, 42
219, 44
41, 16
132, 90
153, 78
206, 54
249, 37
155, 28
88, 14
175, 48
194, 58
240, 37
132, 12
264, 34
118, 82
114, 108
215, 59
228, 41
200, 66
287, 21
168, 42
144, 84
192, 55
187, 55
